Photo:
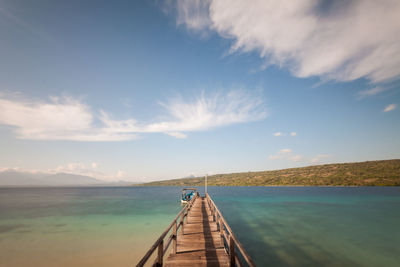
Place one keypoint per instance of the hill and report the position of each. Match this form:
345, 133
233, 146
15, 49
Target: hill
369, 173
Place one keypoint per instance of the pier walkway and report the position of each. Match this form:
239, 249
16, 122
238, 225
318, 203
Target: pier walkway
200, 237
200, 242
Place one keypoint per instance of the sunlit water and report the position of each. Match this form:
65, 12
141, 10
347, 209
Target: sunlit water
279, 226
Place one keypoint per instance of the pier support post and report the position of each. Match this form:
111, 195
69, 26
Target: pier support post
174, 239
231, 251
221, 227
214, 214
183, 222
160, 254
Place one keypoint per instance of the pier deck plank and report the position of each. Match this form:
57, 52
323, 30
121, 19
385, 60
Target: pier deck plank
200, 244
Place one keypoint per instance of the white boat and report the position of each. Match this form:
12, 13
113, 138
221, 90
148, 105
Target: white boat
188, 194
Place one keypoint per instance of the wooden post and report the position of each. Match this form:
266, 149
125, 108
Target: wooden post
214, 215
221, 227
174, 239
211, 210
231, 251
182, 228
160, 253
183, 222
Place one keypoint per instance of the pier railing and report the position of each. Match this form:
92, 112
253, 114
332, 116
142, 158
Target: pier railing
232, 244
159, 244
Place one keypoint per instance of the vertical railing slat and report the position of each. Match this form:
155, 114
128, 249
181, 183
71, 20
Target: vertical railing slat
232, 251
160, 253
174, 240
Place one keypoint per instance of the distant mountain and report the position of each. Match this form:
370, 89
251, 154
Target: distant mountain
369, 173
122, 183
17, 178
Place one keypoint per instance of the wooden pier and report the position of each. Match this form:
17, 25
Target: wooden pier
200, 237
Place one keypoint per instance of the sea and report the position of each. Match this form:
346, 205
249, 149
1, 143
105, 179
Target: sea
278, 226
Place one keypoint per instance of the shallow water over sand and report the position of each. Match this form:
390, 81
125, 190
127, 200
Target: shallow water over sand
81, 226
279, 226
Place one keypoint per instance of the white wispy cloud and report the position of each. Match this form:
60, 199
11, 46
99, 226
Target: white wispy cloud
206, 112
57, 119
80, 168
277, 134
193, 13
319, 158
390, 107
70, 119
289, 155
286, 154
121, 174
335, 40
177, 135
372, 91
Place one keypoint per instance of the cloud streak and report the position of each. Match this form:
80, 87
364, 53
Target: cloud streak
320, 158
390, 107
372, 91
288, 155
58, 119
70, 119
277, 134
334, 40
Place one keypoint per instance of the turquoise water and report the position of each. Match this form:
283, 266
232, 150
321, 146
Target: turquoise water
279, 226
82, 226
315, 226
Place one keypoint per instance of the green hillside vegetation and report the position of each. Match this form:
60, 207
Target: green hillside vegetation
369, 173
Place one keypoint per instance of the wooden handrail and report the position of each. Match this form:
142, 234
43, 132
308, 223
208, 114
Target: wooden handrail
230, 239
226, 233
160, 241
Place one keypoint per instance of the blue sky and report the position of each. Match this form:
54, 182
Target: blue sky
149, 90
